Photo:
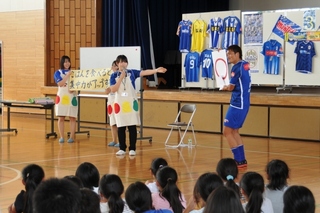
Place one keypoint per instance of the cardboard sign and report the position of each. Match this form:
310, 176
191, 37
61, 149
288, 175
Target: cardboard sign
89, 79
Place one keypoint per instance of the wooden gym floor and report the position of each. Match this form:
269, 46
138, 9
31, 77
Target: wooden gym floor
59, 160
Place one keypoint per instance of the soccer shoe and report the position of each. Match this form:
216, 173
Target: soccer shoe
120, 152
242, 164
61, 140
132, 153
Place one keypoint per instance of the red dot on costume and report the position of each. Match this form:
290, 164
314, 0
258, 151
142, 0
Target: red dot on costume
116, 108
109, 109
57, 99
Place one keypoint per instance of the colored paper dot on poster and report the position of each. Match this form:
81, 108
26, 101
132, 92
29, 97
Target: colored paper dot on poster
126, 107
135, 105
74, 101
65, 100
57, 99
109, 109
116, 108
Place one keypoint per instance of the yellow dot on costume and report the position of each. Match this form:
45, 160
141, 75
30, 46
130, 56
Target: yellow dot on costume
65, 100
126, 107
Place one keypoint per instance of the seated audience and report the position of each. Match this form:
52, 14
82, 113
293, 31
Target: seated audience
57, 196
205, 184
32, 175
139, 200
252, 188
111, 189
90, 201
277, 175
227, 169
169, 197
223, 200
298, 199
156, 164
89, 176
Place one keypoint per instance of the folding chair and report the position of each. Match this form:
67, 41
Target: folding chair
185, 109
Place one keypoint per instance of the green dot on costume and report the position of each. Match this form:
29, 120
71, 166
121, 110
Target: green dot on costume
135, 105
74, 101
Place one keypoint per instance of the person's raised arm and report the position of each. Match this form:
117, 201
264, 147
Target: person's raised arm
64, 79
153, 71
115, 87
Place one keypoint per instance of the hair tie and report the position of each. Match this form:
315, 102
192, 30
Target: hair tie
169, 179
160, 166
229, 177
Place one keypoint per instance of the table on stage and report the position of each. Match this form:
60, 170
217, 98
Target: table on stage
21, 104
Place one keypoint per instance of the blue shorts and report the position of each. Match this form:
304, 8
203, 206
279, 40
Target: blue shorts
235, 117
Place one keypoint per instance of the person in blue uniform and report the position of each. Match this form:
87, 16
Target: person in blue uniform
126, 107
66, 100
240, 86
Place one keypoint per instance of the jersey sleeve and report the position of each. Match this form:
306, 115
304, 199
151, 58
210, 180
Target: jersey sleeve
178, 29
113, 78
57, 76
239, 28
312, 51
235, 74
280, 50
136, 73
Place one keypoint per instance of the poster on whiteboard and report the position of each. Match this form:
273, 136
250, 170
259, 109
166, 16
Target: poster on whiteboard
89, 79
220, 66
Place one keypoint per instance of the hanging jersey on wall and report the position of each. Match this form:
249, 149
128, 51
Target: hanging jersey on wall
191, 64
231, 29
214, 29
184, 32
199, 34
305, 51
272, 50
206, 63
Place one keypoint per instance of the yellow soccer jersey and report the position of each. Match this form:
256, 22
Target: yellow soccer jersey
199, 28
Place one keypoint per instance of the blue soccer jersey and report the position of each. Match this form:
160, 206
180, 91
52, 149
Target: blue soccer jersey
206, 63
241, 79
184, 32
231, 29
191, 64
214, 29
272, 50
305, 51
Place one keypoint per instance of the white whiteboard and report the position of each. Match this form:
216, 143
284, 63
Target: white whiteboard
102, 57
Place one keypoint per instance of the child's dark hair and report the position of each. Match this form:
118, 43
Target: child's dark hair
62, 60
205, 184
138, 197
222, 200
156, 164
32, 175
90, 201
121, 58
88, 174
57, 195
253, 186
228, 170
278, 173
75, 180
111, 187
167, 178
297, 199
